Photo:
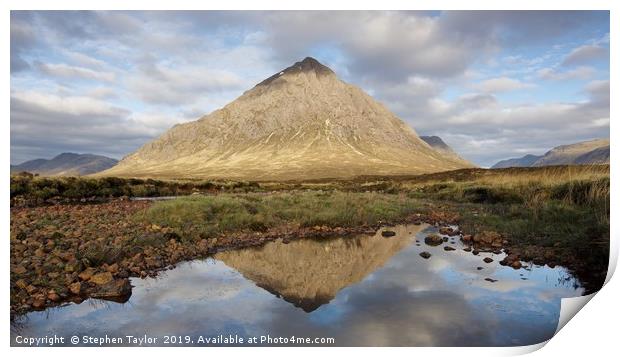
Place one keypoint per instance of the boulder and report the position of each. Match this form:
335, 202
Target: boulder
425, 255
102, 278
448, 248
446, 231
87, 274
433, 240
388, 233
52, 296
488, 238
75, 288
487, 260
116, 290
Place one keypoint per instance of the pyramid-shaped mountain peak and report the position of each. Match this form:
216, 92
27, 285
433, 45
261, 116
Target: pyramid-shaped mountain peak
301, 123
306, 65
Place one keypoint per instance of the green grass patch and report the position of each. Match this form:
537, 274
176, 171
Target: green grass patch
212, 215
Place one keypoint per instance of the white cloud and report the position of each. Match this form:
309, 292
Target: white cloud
581, 72
585, 54
65, 70
501, 84
159, 84
74, 106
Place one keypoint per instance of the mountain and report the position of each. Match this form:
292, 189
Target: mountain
438, 144
301, 123
309, 273
582, 153
525, 161
67, 164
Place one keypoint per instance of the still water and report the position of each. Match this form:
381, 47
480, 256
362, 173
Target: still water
360, 291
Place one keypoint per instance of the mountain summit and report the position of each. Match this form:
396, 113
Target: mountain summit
301, 123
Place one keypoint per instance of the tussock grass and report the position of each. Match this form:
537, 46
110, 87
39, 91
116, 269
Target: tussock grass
584, 186
212, 215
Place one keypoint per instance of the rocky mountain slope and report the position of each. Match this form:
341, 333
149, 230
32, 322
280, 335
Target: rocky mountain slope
301, 123
584, 153
438, 144
67, 164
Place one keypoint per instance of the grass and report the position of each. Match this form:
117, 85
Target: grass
214, 215
34, 190
564, 208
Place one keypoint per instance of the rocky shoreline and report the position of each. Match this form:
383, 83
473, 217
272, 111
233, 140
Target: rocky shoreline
69, 253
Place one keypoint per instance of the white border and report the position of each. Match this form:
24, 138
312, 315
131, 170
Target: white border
590, 331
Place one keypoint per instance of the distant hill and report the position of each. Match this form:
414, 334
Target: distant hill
583, 153
66, 164
525, 161
301, 123
438, 144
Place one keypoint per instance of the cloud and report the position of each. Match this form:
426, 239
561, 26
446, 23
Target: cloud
585, 54
65, 70
380, 44
483, 128
143, 71
33, 101
157, 84
581, 72
43, 125
85, 60
23, 37
501, 84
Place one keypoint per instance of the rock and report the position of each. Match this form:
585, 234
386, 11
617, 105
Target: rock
475, 252
479, 268
448, 248
488, 238
425, 255
117, 290
87, 274
446, 230
487, 260
388, 233
21, 284
19, 269
491, 280
467, 249
51, 295
112, 268
38, 302
102, 278
75, 288
467, 238
433, 240
511, 260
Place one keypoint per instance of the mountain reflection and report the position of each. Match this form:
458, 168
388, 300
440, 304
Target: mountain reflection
309, 273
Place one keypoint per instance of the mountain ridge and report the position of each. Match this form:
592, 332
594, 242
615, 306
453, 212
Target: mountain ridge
66, 164
582, 153
438, 144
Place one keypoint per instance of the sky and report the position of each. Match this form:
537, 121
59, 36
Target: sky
492, 84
